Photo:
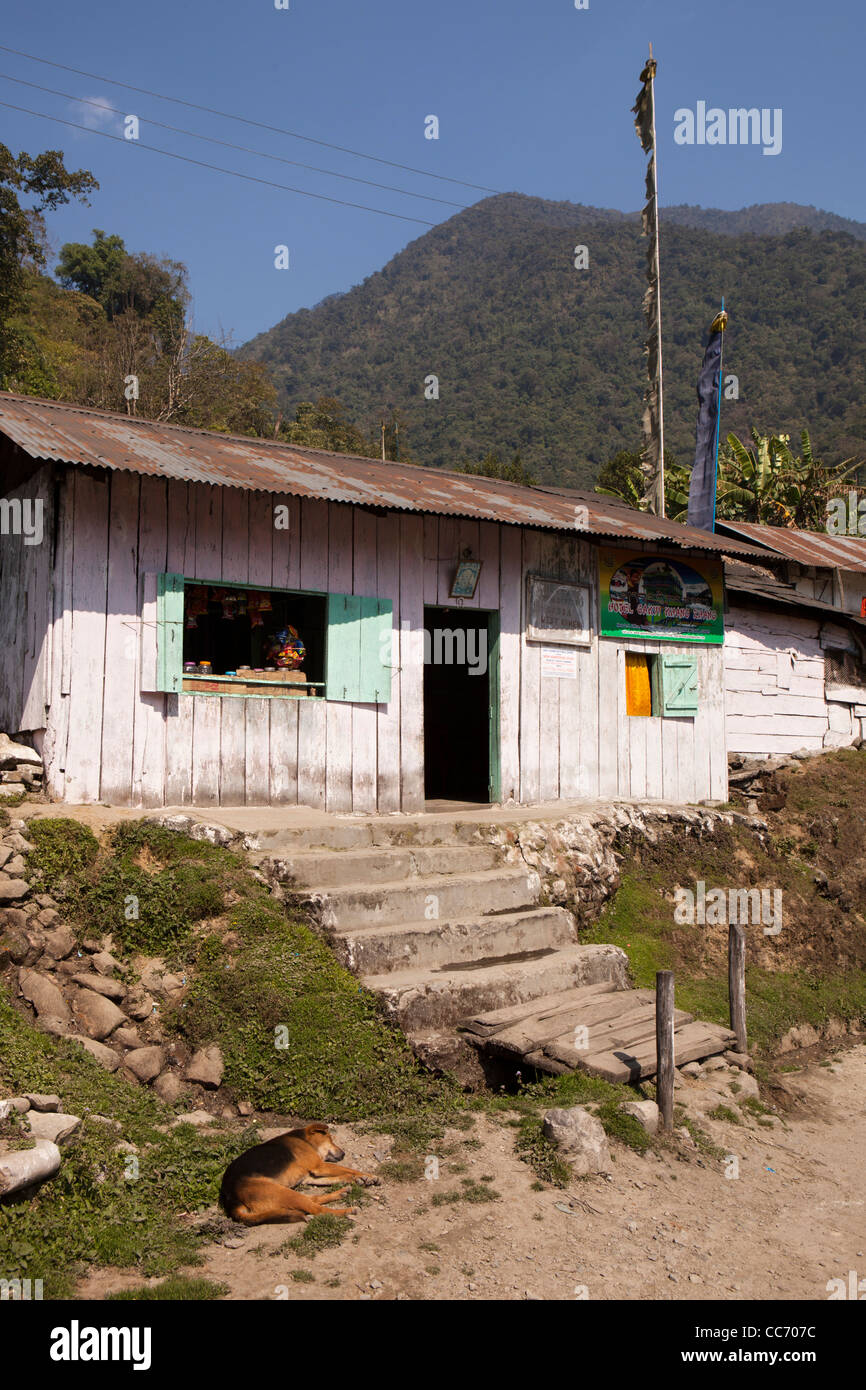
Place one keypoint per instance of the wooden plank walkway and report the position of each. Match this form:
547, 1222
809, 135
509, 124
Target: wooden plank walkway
599, 1029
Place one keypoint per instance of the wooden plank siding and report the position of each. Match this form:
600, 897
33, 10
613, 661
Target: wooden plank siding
105, 738
774, 682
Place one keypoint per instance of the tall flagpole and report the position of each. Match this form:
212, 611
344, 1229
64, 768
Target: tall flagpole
659, 487
653, 454
722, 319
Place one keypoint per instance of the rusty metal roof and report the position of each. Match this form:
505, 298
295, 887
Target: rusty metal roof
806, 547
70, 434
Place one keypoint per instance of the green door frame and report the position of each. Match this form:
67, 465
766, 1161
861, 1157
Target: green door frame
494, 757
493, 690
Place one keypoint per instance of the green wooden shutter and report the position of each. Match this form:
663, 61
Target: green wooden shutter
359, 649
679, 685
169, 632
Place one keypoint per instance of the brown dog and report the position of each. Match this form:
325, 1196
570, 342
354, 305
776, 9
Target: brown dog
257, 1185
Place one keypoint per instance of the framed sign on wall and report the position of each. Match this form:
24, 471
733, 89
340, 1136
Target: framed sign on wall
557, 612
661, 596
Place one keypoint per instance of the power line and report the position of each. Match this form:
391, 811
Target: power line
217, 168
227, 144
261, 125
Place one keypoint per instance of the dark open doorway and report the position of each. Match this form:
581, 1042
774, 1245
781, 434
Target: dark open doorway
457, 716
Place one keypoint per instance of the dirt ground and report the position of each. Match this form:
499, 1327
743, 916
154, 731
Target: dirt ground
668, 1225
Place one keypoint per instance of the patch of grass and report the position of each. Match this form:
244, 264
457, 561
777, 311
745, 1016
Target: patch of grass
471, 1191
402, 1168
724, 1112
298, 1033
542, 1156
146, 885
320, 1233
303, 1276
90, 1213
179, 1288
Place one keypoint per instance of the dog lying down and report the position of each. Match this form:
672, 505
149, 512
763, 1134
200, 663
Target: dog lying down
257, 1185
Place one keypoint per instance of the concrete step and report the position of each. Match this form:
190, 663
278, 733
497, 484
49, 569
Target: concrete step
325, 869
430, 898
419, 998
379, 950
350, 833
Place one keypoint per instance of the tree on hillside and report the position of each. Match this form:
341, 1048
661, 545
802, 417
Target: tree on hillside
45, 180
119, 280
323, 425
494, 466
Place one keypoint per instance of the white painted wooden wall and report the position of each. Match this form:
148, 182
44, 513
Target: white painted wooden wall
107, 741
774, 685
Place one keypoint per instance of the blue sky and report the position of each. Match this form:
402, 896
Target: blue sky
531, 95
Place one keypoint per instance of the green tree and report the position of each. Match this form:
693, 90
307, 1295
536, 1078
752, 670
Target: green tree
122, 282
768, 483
494, 466
29, 187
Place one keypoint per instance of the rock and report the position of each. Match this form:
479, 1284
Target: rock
17, 841
105, 1056
53, 1127
646, 1112
214, 834
19, 1104
581, 1138
804, 1036
96, 1015
173, 986
16, 948
127, 1037
57, 1027
206, 1067
5, 855
12, 753
145, 1063
49, 918
111, 989
714, 1064
14, 789
244, 1107
15, 867
169, 1087
141, 1007
44, 1103
24, 1167
59, 942
692, 1069
199, 1118
105, 963
739, 1059
43, 994
12, 889
744, 1085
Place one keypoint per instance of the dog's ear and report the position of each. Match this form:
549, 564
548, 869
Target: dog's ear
317, 1129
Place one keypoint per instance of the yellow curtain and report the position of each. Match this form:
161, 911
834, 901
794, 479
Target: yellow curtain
638, 696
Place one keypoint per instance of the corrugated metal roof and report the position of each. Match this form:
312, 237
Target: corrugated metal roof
70, 434
749, 579
806, 547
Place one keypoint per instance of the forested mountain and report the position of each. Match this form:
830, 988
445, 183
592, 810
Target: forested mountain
536, 356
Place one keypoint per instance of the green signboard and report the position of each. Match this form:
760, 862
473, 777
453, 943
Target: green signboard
645, 595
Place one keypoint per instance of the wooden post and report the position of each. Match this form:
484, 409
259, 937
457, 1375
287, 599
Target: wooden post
665, 1047
737, 983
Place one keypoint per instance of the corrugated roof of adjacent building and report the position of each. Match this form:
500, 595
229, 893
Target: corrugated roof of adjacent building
806, 547
51, 430
757, 583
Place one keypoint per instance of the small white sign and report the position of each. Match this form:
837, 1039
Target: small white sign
559, 662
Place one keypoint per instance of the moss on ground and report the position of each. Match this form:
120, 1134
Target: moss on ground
298, 1034
812, 971
98, 1210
